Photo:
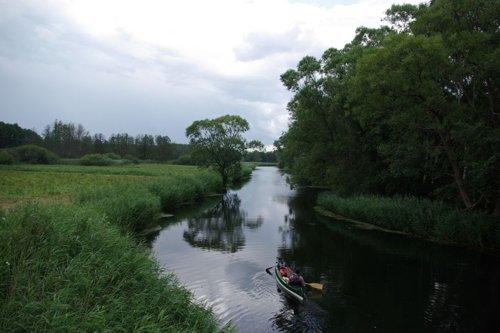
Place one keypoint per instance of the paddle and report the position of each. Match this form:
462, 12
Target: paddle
317, 286
267, 270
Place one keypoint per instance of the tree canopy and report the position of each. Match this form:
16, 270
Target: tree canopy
410, 108
219, 143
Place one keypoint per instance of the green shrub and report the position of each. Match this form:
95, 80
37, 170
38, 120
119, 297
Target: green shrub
131, 158
113, 156
242, 172
96, 159
34, 154
67, 269
422, 217
6, 157
184, 160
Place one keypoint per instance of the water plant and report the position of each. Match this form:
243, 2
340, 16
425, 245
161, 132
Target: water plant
67, 268
428, 219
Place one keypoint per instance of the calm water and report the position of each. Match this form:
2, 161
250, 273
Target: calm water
374, 281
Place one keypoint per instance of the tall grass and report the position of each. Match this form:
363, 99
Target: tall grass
130, 206
66, 268
432, 220
133, 205
74, 268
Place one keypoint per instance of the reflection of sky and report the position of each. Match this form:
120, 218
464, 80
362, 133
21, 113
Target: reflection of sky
235, 284
370, 276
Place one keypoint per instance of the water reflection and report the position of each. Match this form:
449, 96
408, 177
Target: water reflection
371, 276
374, 281
221, 228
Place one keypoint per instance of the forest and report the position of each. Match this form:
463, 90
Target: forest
69, 140
407, 109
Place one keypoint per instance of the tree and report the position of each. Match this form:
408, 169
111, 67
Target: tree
408, 109
219, 143
12, 135
255, 145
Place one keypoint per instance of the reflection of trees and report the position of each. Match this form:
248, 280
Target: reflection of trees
180, 215
221, 228
372, 275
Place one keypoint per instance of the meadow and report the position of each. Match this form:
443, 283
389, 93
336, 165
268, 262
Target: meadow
70, 261
52, 183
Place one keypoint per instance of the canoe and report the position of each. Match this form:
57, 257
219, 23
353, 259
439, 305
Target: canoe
294, 292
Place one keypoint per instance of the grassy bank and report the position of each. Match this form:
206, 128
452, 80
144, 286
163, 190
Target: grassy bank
66, 268
427, 219
54, 183
71, 265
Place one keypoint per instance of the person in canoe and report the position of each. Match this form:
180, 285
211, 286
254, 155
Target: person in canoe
296, 279
291, 277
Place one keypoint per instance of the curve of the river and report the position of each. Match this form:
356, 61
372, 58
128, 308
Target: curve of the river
374, 281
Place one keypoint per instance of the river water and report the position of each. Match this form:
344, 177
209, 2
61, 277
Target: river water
374, 281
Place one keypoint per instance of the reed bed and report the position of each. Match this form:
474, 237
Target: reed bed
421, 217
67, 268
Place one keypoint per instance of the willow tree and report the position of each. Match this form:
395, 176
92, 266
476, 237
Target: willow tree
219, 143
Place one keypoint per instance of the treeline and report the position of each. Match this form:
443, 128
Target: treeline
70, 140
261, 156
405, 109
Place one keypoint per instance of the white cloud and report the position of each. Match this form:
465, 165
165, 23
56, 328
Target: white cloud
154, 62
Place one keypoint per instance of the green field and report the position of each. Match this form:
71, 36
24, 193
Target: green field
53, 183
68, 260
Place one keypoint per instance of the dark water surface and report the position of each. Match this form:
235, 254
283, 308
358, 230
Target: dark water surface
374, 281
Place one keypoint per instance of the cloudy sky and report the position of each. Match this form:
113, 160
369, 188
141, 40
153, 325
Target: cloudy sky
154, 66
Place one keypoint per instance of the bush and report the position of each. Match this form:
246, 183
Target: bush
131, 158
34, 154
67, 269
113, 156
6, 157
432, 220
96, 159
241, 173
184, 160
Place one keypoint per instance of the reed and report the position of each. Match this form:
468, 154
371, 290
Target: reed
67, 268
433, 220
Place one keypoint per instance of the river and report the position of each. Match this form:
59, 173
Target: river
374, 281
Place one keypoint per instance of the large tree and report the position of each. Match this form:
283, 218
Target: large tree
219, 143
410, 108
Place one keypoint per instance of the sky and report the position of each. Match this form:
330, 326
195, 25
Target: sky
155, 66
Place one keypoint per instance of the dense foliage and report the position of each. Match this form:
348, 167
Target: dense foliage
12, 135
409, 109
69, 140
218, 143
33, 154
428, 219
6, 157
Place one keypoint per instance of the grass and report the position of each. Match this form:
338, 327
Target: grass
20, 183
432, 220
74, 266
66, 268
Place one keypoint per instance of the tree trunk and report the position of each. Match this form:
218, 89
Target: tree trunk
224, 175
457, 172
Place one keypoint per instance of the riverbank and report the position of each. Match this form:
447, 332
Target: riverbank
430, 220
69, 261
